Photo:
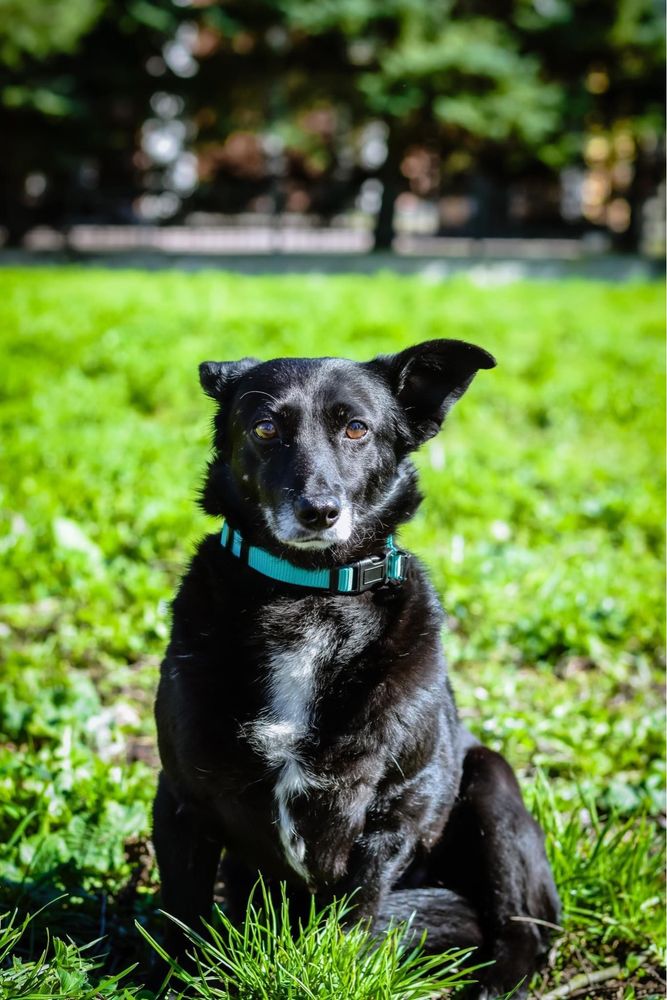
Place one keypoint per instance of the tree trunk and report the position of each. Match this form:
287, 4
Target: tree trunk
390, 177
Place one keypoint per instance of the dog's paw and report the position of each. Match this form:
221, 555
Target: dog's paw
482, 992
489, 992
516, 953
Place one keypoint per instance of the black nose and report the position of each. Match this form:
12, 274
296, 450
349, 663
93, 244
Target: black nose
317, 512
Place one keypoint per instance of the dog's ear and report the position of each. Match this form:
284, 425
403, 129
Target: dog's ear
428, 379
216, 376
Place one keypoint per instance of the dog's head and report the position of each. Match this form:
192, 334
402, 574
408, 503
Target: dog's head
311, 456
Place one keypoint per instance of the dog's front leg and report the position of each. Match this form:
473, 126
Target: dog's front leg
492, 852
188, 849
376, 861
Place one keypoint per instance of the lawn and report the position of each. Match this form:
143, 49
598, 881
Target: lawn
542, 529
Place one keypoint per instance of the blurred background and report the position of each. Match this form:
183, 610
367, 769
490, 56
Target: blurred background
447, 127
499, 138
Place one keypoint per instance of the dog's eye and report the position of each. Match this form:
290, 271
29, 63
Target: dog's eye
265, 430
355, 430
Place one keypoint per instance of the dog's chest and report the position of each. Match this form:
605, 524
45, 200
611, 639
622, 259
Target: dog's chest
299, 650
292, 664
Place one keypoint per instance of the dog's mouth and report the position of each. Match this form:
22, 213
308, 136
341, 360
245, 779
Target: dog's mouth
316, 541
287, 531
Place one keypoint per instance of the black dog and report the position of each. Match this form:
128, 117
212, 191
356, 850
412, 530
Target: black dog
305, 718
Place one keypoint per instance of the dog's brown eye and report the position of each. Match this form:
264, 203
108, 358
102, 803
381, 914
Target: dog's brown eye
265, 430
355, 430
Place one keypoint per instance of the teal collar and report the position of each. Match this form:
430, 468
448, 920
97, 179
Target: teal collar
351, 579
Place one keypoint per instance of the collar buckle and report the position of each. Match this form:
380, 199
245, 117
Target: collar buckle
378, 570
369, 573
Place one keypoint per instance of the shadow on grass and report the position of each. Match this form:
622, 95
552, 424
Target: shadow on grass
100, 922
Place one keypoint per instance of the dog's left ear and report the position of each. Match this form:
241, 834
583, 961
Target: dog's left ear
216, 376
428, 379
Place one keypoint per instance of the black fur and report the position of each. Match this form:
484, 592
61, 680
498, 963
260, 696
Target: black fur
367, 781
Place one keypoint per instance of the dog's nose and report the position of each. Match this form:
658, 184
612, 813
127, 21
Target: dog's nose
317, 512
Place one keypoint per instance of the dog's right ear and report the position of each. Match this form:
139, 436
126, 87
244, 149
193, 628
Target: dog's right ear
216, 376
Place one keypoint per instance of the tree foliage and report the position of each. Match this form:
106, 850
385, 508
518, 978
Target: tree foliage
496, 88
41, 28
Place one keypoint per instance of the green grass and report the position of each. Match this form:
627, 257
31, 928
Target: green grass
542, 528
266, 960
60, 971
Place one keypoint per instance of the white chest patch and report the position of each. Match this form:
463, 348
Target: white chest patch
292, 678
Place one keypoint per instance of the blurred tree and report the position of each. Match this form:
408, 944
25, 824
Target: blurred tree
73, 97
435, 73
354, 87
43, 27
610, 61
297, 103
